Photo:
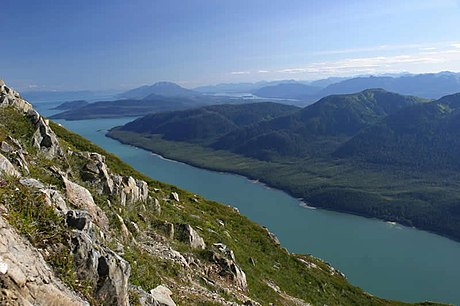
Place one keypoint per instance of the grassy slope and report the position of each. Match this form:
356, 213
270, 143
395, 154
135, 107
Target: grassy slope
408, 197
246, 239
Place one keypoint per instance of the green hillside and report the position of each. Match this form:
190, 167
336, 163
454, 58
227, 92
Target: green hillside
343, 153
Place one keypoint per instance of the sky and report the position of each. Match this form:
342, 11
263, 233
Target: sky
113, 44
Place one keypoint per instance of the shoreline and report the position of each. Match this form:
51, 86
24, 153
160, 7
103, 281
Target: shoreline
256, 180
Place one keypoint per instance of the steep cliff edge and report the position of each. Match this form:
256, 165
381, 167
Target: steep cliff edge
79, 227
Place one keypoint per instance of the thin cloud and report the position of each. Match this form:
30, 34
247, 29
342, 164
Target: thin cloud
377, 64
240, 72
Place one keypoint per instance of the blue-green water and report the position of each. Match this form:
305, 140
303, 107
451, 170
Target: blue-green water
387, 260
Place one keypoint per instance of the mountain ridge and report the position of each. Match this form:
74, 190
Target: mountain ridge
288, 151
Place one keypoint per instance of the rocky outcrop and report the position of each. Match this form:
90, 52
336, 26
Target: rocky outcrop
16, 153
10, 97
81, 198
45, 139
25, 278
51, 196
104, 270
187, 234
7, 168
272, 236
129, 190
174, 196
97, 172
161, 295
224, 257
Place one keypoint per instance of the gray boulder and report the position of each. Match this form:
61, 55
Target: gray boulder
107, 272
160, 296
97, 172
10, 97
45, 140
129, 190
187, 234
225, 259
55, 199
25, 277
81, 198
7, 168
174, 196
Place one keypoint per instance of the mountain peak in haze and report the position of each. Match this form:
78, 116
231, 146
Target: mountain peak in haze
166, 89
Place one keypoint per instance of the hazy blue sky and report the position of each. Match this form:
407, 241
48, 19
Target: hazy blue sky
113, 44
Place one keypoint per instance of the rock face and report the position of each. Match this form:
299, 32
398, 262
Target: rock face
82, 199
187, 234
7, 168
25, 278
225, 258
107, 272
9, 97
129, 190
161, 296
45, 139
96, 172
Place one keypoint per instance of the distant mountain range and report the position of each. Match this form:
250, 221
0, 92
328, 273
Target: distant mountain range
71, 105
241, 87
296, 91
374, 153
128, 108
159, 97
431, 85
165, 89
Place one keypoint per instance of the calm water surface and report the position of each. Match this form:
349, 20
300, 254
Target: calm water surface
387, 260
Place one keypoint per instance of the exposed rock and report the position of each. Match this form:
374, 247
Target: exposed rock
25, 277
174, 196
187, 234
129, 190
45, 140
124, 230
154, 205
167, 228
225, 258
20, 160
162, 296
225, 250
54, 198
15, 142
7, 168
135, 227
81, 198
272, 236
6, 147
9, 97
107, 272
31, 183
96, 171
77, 219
